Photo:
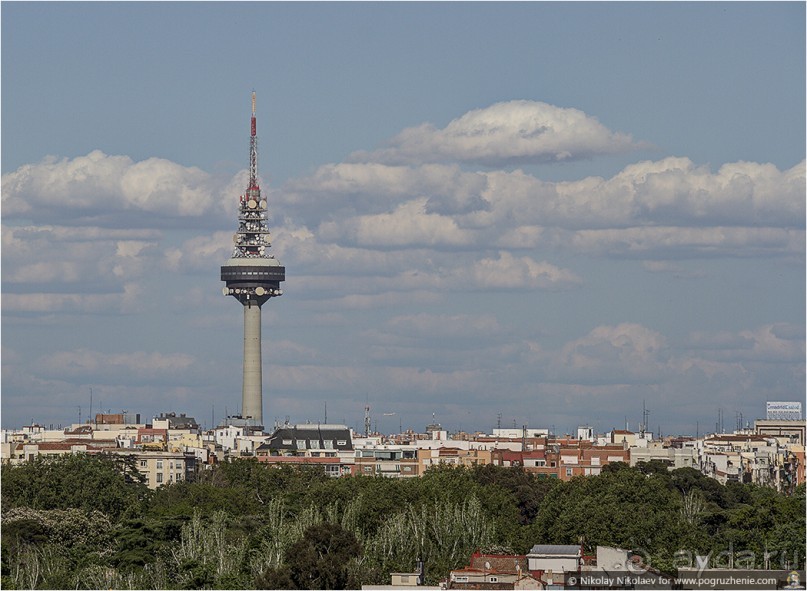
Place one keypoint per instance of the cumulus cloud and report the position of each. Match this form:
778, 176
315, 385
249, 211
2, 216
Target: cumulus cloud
505, 133
110, 190
771, 343
77, 269
55, 255
511, 272
366, 188
322, 266
627, 352
408, 225
668, 192
200, 252
650, 208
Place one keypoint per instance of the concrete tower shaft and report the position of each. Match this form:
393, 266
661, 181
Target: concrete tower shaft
252, 405
252, 275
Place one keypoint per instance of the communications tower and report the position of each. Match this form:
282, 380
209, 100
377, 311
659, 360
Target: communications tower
252, 276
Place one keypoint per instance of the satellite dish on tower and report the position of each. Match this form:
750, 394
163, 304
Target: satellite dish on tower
252, 204
259, 291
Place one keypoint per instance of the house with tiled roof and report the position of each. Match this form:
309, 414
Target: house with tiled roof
494, 571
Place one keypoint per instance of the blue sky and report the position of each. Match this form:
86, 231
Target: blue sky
552, 211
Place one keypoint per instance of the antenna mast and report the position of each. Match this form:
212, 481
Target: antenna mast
253, 191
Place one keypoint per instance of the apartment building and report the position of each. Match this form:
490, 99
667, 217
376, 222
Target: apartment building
163, 467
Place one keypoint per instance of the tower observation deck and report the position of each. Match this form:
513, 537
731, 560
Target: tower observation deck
252, 276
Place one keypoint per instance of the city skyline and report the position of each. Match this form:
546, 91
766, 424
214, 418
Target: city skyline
552, 211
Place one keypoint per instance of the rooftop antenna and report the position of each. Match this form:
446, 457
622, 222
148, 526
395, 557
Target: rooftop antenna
326, 412
645, 415
367, 419
90, 417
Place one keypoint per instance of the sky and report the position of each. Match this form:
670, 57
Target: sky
530, 213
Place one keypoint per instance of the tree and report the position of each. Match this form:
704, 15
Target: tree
322, 558
74, 481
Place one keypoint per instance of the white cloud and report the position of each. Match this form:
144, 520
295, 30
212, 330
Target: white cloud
200, 252
667, 207
771, 343
739, 193
505, 133
511, 272
676, 241
85, 363
110, 189
627, 352
408, 225
344, 190
53, 268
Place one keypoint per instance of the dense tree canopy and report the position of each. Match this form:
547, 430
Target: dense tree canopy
87, 522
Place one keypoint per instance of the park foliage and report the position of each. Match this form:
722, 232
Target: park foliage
89, 522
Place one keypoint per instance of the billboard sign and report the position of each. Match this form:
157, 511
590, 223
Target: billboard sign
787, 411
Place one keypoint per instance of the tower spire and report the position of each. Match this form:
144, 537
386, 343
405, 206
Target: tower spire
253, 191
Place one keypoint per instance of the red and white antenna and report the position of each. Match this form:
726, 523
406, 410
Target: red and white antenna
253, 190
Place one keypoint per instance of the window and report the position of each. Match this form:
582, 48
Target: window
143, 463
341, 442
159, 464
368, 468
493, 579
328, 443
461, 579
568, 471
314, 444
301, 444
287, 442
159, 477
